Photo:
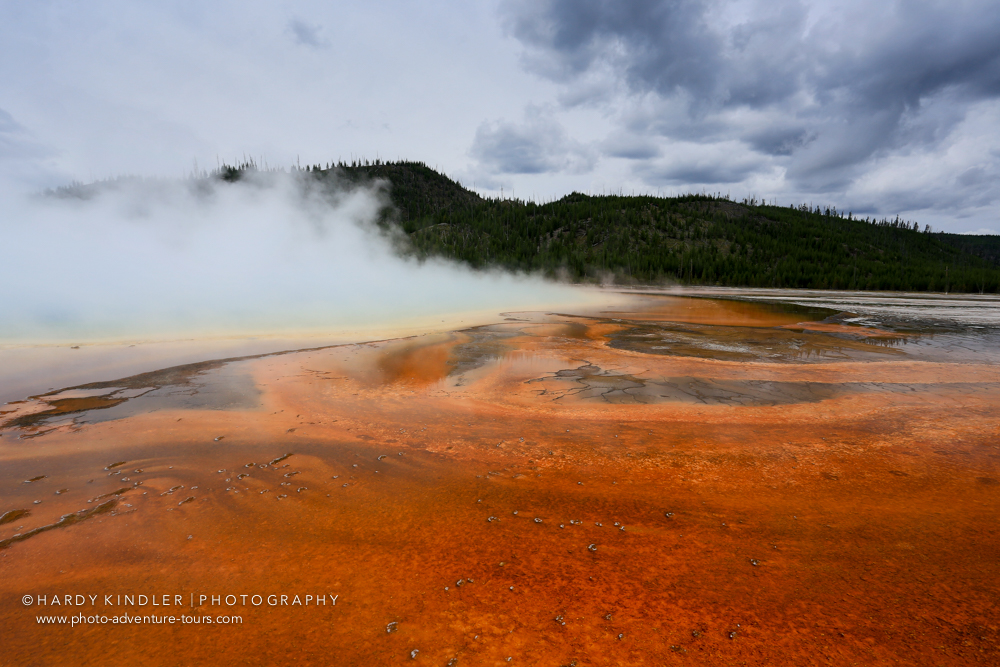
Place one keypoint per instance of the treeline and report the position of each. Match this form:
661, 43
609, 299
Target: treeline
692, 239
698, 240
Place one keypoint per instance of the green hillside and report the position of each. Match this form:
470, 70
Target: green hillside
694, 239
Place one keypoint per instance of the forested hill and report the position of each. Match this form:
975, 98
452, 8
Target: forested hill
693, 239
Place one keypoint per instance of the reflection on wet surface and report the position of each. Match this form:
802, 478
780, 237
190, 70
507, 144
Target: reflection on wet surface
680, 481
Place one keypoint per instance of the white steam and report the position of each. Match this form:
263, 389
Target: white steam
148, 260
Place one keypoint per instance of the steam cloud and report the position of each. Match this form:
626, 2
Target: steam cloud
268, 254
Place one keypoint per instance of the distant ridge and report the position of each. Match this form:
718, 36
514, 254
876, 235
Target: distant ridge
691, 239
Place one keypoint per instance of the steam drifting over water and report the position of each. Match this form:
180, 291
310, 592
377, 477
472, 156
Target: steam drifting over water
269, 254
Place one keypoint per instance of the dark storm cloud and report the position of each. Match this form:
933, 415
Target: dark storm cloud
667, 45
826, 88
777, 140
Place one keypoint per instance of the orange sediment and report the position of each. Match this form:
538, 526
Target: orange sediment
553, 490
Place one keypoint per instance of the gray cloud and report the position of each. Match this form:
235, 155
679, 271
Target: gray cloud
630, 146
711, 167
306, 34
829, 90
537, 145
15, 141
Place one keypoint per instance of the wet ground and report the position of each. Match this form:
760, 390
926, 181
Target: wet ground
670, 481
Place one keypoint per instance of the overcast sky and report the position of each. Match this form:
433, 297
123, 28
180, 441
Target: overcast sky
875, 107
